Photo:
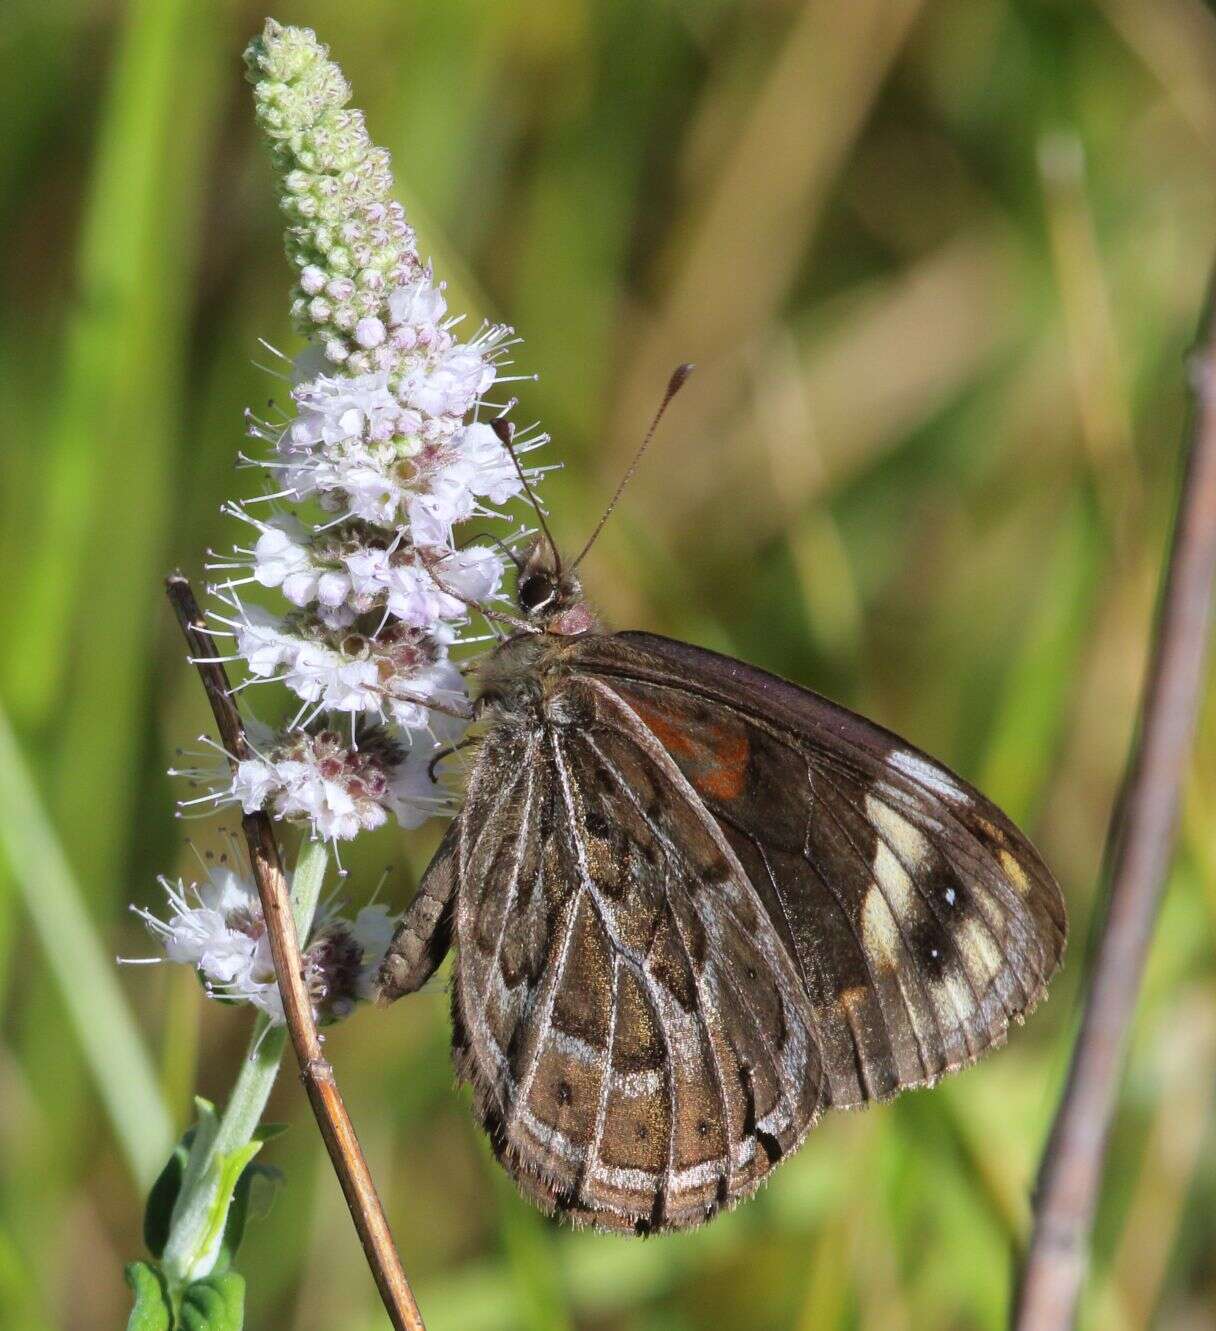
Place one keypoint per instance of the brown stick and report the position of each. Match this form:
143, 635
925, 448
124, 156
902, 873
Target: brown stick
1139, 849
316, 1073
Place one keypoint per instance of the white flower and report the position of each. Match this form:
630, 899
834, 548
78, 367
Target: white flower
395, 673
254, 782
413, 794
421, 590
452, 476
348, 570
371, 482
408, 699
334, 812
317, 672
373, 929
343, 958
475, 572
449, 384
281, 559
217, 927
336, 409
485, 466
338, 788
214, 926
369, 332
261, 641
430, 520
417, 307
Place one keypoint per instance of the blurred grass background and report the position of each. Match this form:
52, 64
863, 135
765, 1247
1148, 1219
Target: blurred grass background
939, 263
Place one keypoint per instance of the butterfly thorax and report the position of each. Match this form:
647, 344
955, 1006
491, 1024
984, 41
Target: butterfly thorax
516, 677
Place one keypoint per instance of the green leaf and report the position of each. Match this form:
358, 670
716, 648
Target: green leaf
152, 1311
238, 1212
214, 1304
233, 1173
200, 1230
163, 1196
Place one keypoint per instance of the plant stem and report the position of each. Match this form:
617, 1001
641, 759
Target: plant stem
247, 1102
1139, 848
307, 879
328, 1108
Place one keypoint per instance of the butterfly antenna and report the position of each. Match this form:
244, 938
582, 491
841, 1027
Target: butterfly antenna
498, 541
506, 432
677, 381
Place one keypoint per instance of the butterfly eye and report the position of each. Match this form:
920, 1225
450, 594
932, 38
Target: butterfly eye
535, 592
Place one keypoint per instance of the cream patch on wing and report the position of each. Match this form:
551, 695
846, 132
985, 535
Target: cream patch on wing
899, 851
980, 951
955, 988
879, 930
929, 775
1012, 868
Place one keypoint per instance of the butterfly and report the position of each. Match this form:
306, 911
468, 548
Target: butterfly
695, 905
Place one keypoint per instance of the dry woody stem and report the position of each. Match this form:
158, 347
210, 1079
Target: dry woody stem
316, 1073
1139, 849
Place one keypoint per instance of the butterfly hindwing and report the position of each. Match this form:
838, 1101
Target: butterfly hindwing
641, 1048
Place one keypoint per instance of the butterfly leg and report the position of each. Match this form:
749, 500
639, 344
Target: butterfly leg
424, 935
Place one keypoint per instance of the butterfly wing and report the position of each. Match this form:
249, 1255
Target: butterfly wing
695, 905
919, 919
640, 1044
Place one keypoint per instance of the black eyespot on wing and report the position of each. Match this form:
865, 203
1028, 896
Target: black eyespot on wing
944, 891
931, 946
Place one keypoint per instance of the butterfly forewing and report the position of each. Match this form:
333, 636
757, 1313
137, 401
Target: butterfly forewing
694, 906
920, 919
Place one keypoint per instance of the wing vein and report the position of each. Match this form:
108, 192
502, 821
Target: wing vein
520, 845
558, 968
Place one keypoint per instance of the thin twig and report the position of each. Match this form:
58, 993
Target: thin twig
1140, 844
316, 1073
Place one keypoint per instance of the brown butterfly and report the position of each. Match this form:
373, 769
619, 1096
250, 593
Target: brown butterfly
694, 906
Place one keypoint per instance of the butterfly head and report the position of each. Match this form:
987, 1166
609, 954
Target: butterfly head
549, 597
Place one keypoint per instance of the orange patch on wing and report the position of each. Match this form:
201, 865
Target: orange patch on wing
712, 757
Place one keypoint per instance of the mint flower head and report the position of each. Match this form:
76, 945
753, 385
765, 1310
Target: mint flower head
350, 584
346, 236
362, 293
383, 454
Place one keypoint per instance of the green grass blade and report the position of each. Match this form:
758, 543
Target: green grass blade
1026, 729
109, 1039
113, 360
